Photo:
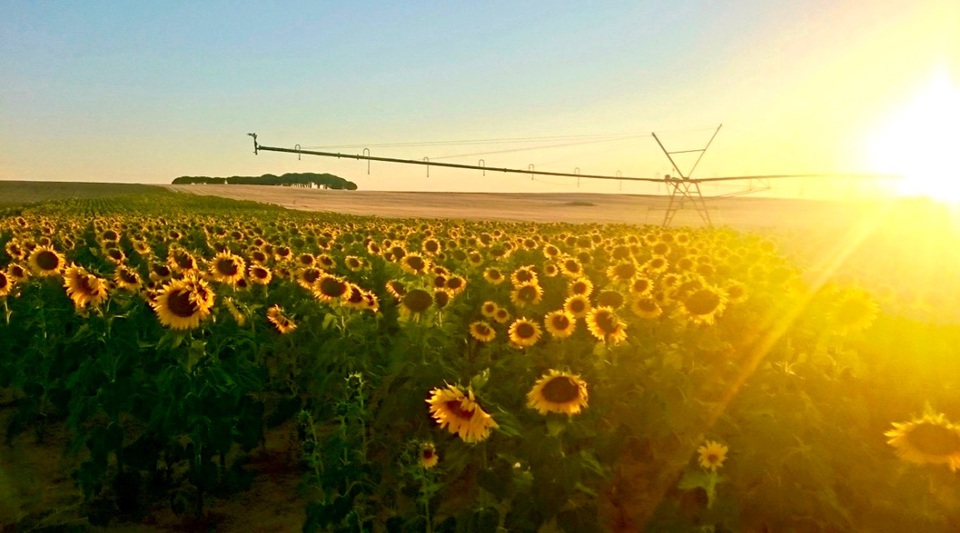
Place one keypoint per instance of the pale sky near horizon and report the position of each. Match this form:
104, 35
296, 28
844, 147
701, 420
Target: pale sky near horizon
145, 92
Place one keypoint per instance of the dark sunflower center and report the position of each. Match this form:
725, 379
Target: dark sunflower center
572, 266
713, 458
560, 322
417, 300
735, 291
283, 251
934, 439
110, 235
128, 277
494, 275
312, 275
3, 281
306, 260
525, 330
647, 304
17, 271
527, 293
482, 330
184, 261
227, 266
641, 285
356, 297
180, 304
561, 389
259, 273
352, 262
657, 262
577, 306
85, 286
579, 288
398, 252
625, 270
47, 260
524, 276
431, 246
427, 454
607, 322
456, 409
610, 299
441, 298
332, 287
416, 263
115, 254
454, 283
440, 281
702, 302
326, 261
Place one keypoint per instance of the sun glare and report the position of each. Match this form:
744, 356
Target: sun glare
919, 142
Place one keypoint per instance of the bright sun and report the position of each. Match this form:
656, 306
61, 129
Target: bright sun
921, 141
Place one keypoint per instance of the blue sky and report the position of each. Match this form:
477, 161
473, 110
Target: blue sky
145, 92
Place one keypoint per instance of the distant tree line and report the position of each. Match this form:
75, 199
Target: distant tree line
303, 179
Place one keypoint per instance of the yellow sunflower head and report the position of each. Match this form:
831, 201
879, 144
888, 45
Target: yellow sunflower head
227, 268
502, 316
703, 305
489, 309
6, 284
428, 455
578, 306
281, 321
580, 286
558, 392
525, 294
931, 439
523, 275
854, 311
482, 331
259, 274
606, 326
182, 304
84, 288
712, 455
460, 414
45, 261
622, 272
560, 324
524, 333
493, 276
415, 302
646, 307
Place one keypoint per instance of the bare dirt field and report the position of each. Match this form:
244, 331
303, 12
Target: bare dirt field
736, 212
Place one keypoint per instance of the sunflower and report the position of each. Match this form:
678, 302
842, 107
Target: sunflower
227, 268
354, 297
6, 284
571, 268
46, 261
577, 306
329, 288
655, 266
259, 274
523, 275
127, 278
115, 255
16, 272
502, 316
854, 311
182, 304
558, 392
235, 312
281, 321
14, 250
415, 302
712, 455
326, 262
181, 260
396, 289
493, 276
441, 298
431, 246
611, 299
308, 277
526, 294
605, 325
460, 413
428, 455
455, 284
353, 263
931, 439
641, 286
489, 309
703, 305
560, 324
551, 252
551, 270
524, 333
581, 285
482, 331
622, 272
736, 292
647, 308
306, 260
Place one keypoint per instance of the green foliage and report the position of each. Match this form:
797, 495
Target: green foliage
325, 180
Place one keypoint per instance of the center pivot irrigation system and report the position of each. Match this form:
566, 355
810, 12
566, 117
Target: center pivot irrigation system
681, 187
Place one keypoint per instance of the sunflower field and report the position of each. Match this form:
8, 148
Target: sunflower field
441, 375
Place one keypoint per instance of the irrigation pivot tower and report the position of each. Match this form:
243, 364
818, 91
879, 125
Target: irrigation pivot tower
683, 186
